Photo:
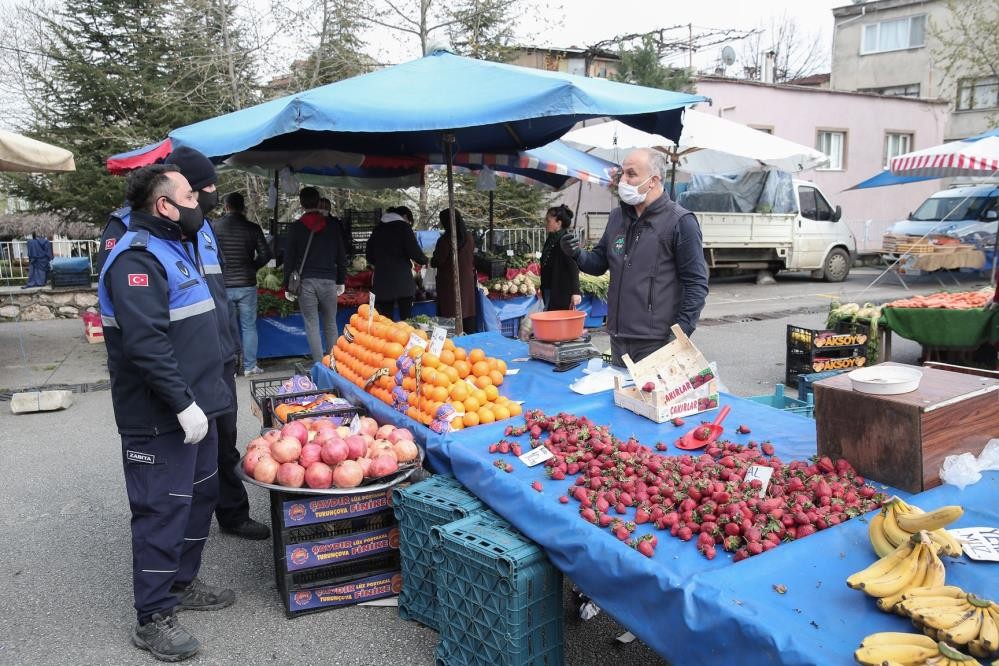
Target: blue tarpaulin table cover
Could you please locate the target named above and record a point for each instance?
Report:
(688, 609)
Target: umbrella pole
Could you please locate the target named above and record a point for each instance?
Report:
(489, 245)
(672, 176)
(274, 218)
(449, 152)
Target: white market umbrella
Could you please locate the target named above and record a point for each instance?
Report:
(708, 145)
(19, 153)
(974, 156)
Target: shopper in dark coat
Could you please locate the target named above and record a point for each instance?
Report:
(443, 262)
(559, 273)
(391, 249)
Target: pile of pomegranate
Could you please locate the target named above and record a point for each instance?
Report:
(319, 453)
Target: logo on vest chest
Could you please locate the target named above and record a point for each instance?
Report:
(619, 244)
(183, 269)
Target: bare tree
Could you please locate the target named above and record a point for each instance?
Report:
(797, 53)
(965, 44)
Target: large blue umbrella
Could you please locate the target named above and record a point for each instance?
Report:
(409, 108)
(441, 103)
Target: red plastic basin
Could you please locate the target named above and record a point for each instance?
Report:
(558, 325)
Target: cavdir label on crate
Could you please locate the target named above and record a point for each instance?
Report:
(341, 548)
(344, 594)
(323, 508)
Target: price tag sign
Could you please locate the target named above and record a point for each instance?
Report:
(437, 340)
(371, 309)
(414, 339)
(979, 543)
(761, 472)
(512, 371)
(355, 425)
(509, 253)
(536, 456)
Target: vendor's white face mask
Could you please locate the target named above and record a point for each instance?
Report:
(629, 193)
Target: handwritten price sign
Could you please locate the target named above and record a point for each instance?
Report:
(979, 543)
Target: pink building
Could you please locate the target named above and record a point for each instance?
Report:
(859, 131)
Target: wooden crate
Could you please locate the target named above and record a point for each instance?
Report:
(902, 440)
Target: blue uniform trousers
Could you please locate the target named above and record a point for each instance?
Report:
(172, 489)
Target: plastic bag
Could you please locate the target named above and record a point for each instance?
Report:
(989, 457)
(960, 470)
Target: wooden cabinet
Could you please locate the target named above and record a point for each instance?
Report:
(902, 440)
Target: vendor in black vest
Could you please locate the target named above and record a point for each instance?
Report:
(653, 249)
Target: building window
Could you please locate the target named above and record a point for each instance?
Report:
(765, 130)
(896, 143)
(833, 144)
(980, 93)
(895, 35)
(909, 90)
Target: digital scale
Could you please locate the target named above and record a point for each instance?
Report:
(564, 355)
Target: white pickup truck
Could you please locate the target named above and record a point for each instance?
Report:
(813, 239)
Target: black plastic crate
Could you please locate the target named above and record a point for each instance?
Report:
(840, 358)
(492, 267)
(260, 392)
(822, 340)
(342, 412)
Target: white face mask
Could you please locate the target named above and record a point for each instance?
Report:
(629, 193)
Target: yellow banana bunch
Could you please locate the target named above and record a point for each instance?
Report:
(913, 564)
(899, 649)
(898, 520)
(959, 619)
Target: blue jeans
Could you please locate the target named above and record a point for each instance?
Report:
(244, 301)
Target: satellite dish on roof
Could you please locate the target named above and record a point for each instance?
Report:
(728, 55)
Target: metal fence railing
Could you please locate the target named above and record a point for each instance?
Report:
(14, 257)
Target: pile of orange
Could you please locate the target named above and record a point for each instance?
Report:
(467, 381)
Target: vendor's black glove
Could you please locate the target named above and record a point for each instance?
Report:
(570, 245)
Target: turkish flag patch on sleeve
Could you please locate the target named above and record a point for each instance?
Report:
(109, 244)
(138, 280)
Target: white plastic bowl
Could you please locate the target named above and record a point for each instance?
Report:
(885, 379)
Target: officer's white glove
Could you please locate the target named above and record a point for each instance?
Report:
(340, 288)
(194, 422)
(290, 297)
(992, 305)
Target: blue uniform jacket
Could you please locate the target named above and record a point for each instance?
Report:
(160, 329)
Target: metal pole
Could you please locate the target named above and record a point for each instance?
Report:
(274, 219)
(672, 181)
(490, 244)
(449, 152)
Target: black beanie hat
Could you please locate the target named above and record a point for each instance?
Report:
(198, 169)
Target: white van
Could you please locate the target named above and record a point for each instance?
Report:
(967, 212)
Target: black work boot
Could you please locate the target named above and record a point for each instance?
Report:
(203, 597)
(165, 638)
(248, 529)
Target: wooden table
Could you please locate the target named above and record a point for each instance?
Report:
(902, 440)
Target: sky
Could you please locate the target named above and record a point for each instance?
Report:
(585, 22)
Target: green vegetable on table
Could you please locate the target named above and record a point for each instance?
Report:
(852, 313)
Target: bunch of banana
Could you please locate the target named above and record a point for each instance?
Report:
(950, 614)
(892, 648)
(898, 520)
(913, 564)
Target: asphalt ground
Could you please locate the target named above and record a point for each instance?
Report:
(65, 566)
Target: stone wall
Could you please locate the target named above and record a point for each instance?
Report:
(37, 305)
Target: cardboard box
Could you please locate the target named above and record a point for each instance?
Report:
(384, 584)
(341, 548)
(684, 383)
(322, 508)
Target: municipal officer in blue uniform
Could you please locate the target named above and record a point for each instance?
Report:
(165, 359)
(233, 508)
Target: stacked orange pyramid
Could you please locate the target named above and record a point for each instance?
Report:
(454, 390)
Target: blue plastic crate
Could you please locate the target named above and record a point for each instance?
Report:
(418, 508)
(805, 382)
(510, 327)
(499, 598)
(778, 400)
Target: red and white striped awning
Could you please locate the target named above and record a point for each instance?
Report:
(975, 156)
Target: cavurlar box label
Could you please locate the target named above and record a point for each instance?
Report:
(341, 548)
(322, 508)
(380, 585)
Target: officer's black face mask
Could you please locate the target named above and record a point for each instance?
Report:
(190, 220)
(207, 201)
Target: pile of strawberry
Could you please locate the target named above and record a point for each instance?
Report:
(692, 495)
